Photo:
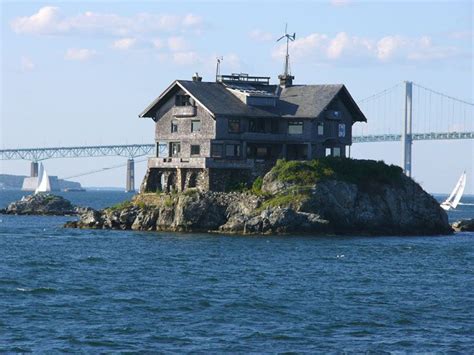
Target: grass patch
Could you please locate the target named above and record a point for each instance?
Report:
(364, 173)
(121, 206)
(291, 198)
(168, 201)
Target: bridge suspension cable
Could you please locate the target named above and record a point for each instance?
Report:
(101, 170)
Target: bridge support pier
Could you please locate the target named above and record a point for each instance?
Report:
(130, 184)
(407, 129)
(34, 169)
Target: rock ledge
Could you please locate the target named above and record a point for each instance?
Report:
(41, 204)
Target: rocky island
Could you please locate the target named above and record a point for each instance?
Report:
(41, 204)
(322, 196)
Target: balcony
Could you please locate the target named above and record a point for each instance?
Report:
(200, 163)
(184, 111)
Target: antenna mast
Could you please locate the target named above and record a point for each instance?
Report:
(218, 66)
(286, 78)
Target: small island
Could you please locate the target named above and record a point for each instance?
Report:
(43, 204)
(326, 196)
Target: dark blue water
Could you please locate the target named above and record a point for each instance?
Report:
(96, 291)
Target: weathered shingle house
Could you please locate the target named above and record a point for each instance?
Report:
(212, 135)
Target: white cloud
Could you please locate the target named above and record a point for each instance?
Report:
(261, 36)
(44, 21)
(49, 20)
(177, 44)
(344, 47)
(79, 54)
(124, 43)
(192, 20)
(387, 46)
(26, 64)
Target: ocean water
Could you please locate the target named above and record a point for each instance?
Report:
(101, 291)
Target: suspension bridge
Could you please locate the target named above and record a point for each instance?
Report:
(405, 112)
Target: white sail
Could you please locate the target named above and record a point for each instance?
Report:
(460, 191)
(453, 200)
(43, 182)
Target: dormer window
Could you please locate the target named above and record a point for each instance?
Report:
(183, 100)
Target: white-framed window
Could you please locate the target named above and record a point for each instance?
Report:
(295, 127)
(327, 152)
(195, 125)
(336, 152)
(342, 130)
(175, 148)
(320, 128)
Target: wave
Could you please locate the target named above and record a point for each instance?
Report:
(38, 290)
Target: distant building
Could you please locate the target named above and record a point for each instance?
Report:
(212, 135)
(30, 183)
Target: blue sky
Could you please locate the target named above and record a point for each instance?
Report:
(77, 73)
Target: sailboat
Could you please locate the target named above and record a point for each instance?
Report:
(453, 200)
(43, 180)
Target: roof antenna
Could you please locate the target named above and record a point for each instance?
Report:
(286, 79)
(218, 66)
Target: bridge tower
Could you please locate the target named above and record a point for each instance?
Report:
(34, 169)
(130, 183)
(407, 138)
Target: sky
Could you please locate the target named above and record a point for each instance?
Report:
(79, 73)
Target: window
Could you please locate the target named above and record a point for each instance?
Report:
(183, 100)
(262, 152)
(232, 150)
(234, 126)
(174, 126)
(162, 150)
(256, 125)
(217, 150)
(336, 152)
(274, 126)
(342, 130)
(195, 149)
(295, 127)
(175, 148)
(195, 126)
(320, 127)
(328, 152)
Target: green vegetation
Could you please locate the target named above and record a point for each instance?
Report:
(121, 206)
(190, 192)
(363, 173)
(168, 201)
(236, 186)
(292, 198)
(257, 186)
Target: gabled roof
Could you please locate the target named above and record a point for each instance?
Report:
(311, 100)
(298, 101)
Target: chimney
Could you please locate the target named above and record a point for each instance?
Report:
(286, 80)
(196, 77)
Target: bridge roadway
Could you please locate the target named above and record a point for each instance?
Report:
(131, 151)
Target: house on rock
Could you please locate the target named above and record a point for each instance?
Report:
(213, 135)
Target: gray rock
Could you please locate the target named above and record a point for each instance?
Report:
(327, 207)
(41, 204)
(465, 225)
